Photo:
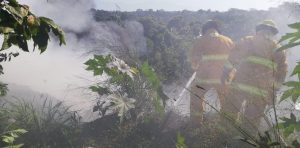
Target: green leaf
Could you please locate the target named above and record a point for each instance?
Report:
(98, 72)
(94, 88)
(293, 92)
(12, 39)
(295, 25)
(90, 62)
(288, 131)
(286, 94)
(180, 141)
(55, 29)
(122, 104)
(41, 38)
(98, 89)
(33, 30)
(19, 131)
(295, 38)
(13, 3)
(15, 13)
(22, 43)
(289, 125)
(292, 84)
(98, 65)
(296, 69)
(27, 33)
(116, 77)
(40, 35)
(6, 44)
(287, 46)
(286, 37)
(151, 76)
(6, 30)
(14, 146)
(102, 60)
(14, 135)
(3, 88)
(10, 136)
(22, 11)
(1, 69)
(292, 37)
(8, 139)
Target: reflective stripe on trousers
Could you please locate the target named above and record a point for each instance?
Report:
(208, 81)
(249, 89)
(214, 57)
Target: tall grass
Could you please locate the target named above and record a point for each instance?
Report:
(264, 140)
(49, 123)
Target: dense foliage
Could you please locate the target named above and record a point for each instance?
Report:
(124, 88)
(18, 25)
(291, 125)
(130, 102)
(170, 34)
(48, 122)
(166, 52)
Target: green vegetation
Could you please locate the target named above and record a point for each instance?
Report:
(130, 102)
(180, 141)
(48, 123)
(18, 25)
(166, 51)
(9, 137)
(124, 86)
(291, 125)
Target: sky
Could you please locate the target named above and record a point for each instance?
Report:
(220, 5)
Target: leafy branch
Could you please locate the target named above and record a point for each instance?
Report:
(9, 137)
(118, 71)
(18, 25)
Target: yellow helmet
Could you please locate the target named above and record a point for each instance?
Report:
(267, 25)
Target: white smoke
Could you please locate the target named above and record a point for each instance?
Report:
(72, 15)
(55, 71)
(283, 18)
(60, 71)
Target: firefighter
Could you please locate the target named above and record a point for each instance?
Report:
(255, 71)
(208, 56)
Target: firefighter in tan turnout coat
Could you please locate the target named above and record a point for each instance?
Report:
(256, 70)
(208, 56)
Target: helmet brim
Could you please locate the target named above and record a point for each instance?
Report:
(273, 29)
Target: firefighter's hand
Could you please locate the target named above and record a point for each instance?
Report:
(231, 75)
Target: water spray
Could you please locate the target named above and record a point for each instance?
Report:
(184, 90)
